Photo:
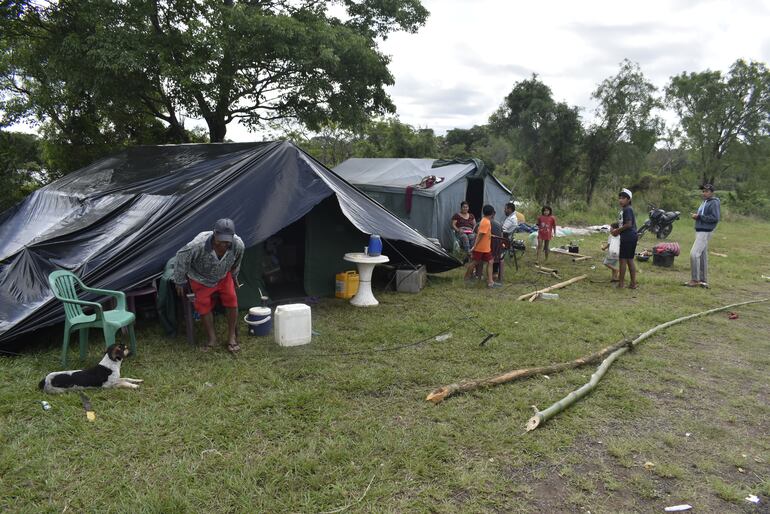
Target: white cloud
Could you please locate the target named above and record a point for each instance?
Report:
(482, 48)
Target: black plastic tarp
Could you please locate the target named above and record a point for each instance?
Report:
(116, 222)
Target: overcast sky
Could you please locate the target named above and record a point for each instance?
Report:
(460, 66)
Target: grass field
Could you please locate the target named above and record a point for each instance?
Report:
(342, 424)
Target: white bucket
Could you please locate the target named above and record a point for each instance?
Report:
(293, 324)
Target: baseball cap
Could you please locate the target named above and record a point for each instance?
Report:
(626, 192)
(224, 230)
(707, 187)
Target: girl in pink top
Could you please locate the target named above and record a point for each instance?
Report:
(546, 230)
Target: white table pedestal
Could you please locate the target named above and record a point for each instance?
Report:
(365, 264)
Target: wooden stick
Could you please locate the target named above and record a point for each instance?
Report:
(442, 393)
(545, 415)
(583, 258)
(555, 286)
(719, 254)
(550, 274)
(565, 252)
(543, 268)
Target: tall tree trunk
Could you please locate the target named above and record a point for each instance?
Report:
(217, 129)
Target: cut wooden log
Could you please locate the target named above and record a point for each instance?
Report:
(442, 393)
(544, 415)
(551, 288)
(562, 251)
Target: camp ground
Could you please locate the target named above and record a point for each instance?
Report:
(117, 222)
(424, 193)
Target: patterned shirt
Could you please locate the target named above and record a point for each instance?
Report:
(198, 261)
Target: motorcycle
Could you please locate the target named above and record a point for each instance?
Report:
(660, 222)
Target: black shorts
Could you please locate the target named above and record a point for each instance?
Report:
(627, 249)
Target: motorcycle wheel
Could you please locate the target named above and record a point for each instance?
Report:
(664, 231)
(641, 231)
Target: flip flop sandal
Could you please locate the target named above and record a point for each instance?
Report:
(233, 348)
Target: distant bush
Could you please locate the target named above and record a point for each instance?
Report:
(747, 202)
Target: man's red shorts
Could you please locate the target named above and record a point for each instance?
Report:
(482, 256)
(225, 288)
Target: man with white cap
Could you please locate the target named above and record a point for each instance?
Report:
(628, 238)
(210, 263)
(706, 220)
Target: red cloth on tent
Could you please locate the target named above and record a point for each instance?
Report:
(408, 199)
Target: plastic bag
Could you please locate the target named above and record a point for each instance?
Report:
(613, 252)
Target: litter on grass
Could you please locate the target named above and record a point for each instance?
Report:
(678, 508)
(753, 498)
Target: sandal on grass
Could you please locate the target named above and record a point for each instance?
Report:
(233, 347)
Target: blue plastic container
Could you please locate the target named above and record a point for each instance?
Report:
(260, 321)
(375, 245)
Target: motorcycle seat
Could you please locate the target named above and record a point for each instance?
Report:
(671, 216)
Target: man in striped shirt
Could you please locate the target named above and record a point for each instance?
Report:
(210, 263)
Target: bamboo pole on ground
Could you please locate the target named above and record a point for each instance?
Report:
(440, 394)
(562, 251)
(544, 415)
(551, 288)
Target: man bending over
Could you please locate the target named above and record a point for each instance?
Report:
(211, 262)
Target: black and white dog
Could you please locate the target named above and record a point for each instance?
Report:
(105, 374)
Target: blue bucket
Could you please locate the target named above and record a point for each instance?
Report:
(375, 245)
(259, 320)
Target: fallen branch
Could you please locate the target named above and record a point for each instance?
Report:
(719, 254)
(547, 270)
(442, 393)
(549, 273)
(544, 415)
(562, 251)
(581, 258)
(555, 286)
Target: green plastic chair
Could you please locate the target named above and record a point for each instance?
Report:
(64, 285)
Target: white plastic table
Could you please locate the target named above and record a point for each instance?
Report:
(365, 264)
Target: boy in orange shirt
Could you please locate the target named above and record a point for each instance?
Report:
(482, 249)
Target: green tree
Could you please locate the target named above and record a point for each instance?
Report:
(21, 167)
(546, 134)
(625, 121)
(392, 138)
(717, 111)
(219, 60)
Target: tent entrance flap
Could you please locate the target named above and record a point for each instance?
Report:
(329, 236)
(474, 195)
